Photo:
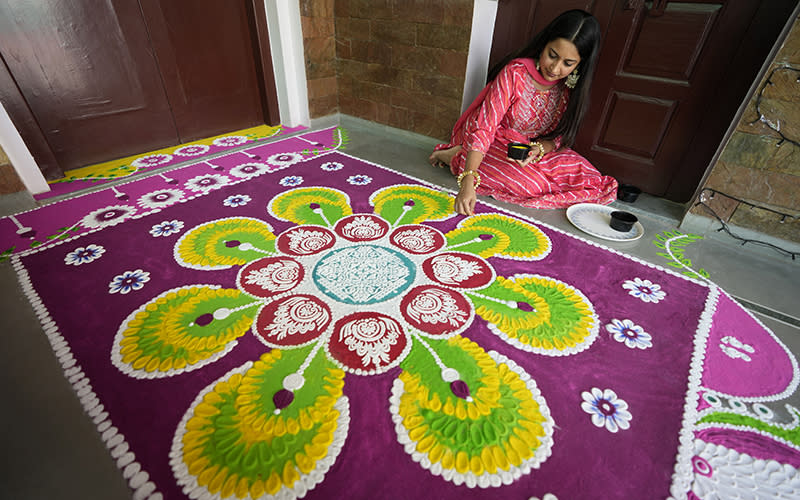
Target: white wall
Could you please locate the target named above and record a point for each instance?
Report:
(19, 155)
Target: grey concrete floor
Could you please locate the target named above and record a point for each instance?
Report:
(51, 449)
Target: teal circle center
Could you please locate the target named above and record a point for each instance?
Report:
(363, 274)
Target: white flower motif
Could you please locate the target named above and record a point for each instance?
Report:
(645, 290)
(167, 228)
(107, 216)
(207, 182)
(84, 255)
(231, 140)
(127, 281)
(151, 160)
(359, 180)
(331, 166)
(629, 333)
(291, 181)
(284, 159)
(237, 200)
(248, 170)
(192, 150)
(161, 198)
(606, 409)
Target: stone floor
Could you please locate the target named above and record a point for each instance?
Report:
(52, 450)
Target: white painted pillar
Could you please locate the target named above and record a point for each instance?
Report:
(480, 45)
(288, 61)
(20, 157)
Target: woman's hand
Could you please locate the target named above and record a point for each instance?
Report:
(547, 146)
(466, 198)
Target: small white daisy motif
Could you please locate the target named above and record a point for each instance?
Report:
(231, 140)
(248, 170)
(645, 290)
(606, 409)
(167, 228)
(151, 160)
(284, 159)
(629, 333)
(331, 166)
(237, 200)
(291, 181)
(359, 180)
(207, 182)
(107, 216)
(128, 281)
(192, 150)
(84, 255)
(161, 198)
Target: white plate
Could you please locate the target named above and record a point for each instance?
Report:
(596, 219)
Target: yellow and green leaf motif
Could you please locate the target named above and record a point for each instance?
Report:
(503, 427)
(224, 243)
(235, 442)
(312, 205)
(511, 238)
(411, 204)
(172, 334)
(569, 323)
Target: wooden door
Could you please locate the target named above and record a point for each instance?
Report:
(662, 66)
(204, 50)
(670, 77)
(103, 80)
(87, 74)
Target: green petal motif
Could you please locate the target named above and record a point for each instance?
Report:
(311, 205)
(501, 430)
(511, 238)
(233, 441)
(224, 243)
(181, 330)
(569, 323)
(411, 204)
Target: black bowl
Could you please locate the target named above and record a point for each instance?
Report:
(628, 193)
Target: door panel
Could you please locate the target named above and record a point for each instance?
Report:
(205, 52)
(87, 75)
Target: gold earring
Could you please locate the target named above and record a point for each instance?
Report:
(572, 79)
(537, 65)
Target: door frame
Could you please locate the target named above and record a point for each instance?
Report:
(33, 159)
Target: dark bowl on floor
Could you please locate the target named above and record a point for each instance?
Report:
(628, 193)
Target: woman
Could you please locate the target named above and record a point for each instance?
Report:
(537, 96)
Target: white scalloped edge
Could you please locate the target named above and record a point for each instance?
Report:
(552, 352)
(750, 430)
(485, 480)
(302, 486)
(768, 478)
(132, 471)
(684, 473)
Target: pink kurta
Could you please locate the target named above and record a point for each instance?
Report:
(511, 109)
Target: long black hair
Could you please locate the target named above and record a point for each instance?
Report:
(583, 30)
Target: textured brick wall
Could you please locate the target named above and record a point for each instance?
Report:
(397, 62)
(752, 166)
(319, 44)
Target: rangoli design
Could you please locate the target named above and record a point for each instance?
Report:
(337, 328)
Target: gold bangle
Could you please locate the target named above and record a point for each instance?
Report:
(541, 151)
(475, 175)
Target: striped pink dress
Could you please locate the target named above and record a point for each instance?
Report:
(512, 110)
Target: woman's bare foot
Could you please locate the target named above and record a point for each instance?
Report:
(443, 157)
